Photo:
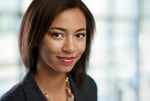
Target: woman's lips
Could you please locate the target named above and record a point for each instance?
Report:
(67, 60)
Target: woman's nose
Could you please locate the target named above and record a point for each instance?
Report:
(69, 45)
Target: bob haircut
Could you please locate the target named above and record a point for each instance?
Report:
(35, 23)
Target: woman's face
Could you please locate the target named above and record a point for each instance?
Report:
(64, 42)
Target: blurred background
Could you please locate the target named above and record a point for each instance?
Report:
(120, 56)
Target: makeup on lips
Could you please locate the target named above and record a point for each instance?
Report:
(67, 60)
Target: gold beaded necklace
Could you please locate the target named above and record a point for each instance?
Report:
(68, 90)
(70, 96)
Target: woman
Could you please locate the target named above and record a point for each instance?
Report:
(55, 38)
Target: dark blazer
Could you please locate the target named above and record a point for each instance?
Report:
(28, 90)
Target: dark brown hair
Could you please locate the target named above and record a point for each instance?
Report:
(35, 23)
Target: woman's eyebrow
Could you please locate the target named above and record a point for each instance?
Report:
(58, 28)
(81, 29)
(65, 30)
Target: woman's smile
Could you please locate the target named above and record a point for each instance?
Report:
(66, 60)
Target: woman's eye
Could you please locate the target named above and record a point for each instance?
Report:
(80, 35)
(57, 35)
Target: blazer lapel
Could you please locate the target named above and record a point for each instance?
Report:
(31, 89)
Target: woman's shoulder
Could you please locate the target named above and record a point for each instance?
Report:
(26, 89)
(90, 89)
(14, 94)
(90, 84)
(17, 92)
(88, 92)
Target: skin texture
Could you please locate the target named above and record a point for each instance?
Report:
(61, 47)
